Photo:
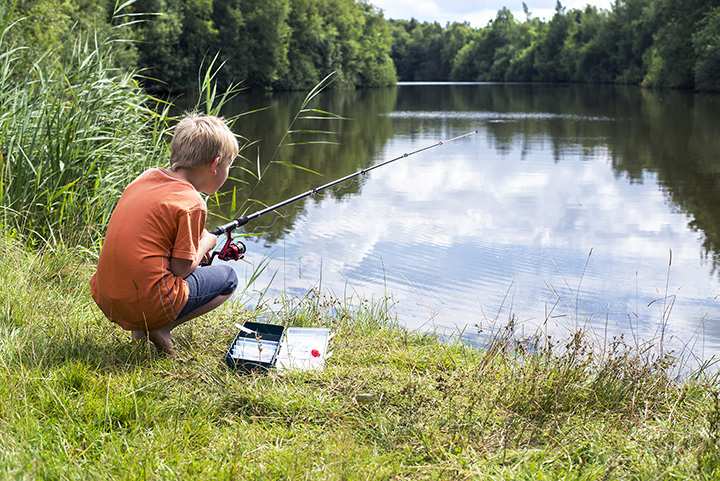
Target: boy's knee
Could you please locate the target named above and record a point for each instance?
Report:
(231, 280)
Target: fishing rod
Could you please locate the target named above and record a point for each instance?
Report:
(234, 250)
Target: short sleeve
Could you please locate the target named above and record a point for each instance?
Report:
(190, 227)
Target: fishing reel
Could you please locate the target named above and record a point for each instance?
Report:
(231, 250)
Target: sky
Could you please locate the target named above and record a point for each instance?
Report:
(477, 12)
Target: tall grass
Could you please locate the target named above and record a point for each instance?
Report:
(72, 134)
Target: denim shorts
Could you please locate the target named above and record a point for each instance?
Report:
(206, 283)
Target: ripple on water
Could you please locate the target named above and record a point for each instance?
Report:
(490, 116)
(501, 223)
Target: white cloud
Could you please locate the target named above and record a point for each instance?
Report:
(478, 13)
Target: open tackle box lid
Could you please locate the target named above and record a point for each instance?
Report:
(304, 348)
(263, 346)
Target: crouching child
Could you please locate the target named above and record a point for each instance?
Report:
(149, 279)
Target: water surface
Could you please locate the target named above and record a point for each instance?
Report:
(562, 212)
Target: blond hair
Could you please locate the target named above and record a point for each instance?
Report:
(198, 139)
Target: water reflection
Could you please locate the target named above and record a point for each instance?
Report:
(357, 142)
(506, 220)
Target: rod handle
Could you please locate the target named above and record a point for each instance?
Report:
(232, 225)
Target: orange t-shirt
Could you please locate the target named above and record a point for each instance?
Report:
(157, 217)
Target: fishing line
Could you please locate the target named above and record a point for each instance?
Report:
(244, 219)
(234, 250)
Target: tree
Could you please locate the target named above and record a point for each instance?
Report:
(401, 38)
(630, 28)
(229, 21)
(160, 58)
(549, 61)
(292, 44)
(706, 45)
(265, 35)
(592, 48)
(673, 57)
(376, 68)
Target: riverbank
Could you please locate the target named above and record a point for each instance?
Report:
(78, 400)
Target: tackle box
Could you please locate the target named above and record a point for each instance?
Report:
(257, 349)
(264, 346)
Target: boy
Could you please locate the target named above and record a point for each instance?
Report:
(148, 280)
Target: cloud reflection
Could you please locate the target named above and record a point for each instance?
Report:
(452, 232)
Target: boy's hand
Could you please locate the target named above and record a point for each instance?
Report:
(207, 243)
(183, 268)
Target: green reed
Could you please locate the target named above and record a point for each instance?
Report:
(72, 135)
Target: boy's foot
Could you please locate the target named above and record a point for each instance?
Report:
(139, 336)
(162, 340)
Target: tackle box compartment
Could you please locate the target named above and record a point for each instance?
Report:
(249, 351)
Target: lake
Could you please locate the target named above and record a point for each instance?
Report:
(574, 206)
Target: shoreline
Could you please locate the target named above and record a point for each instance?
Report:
(175, 95)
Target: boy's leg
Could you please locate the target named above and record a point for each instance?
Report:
(204, 309)
(162, 337)
(209, 287)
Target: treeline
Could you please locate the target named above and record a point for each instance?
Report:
(280, 44)
(283, 44)
(657, 43)
(292, 44)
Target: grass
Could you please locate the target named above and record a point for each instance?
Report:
(78, 400)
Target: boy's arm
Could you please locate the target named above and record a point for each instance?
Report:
(185, 267)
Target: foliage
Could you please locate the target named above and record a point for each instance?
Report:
(671, 56)
(277, 44)
(706, 43)
(280, 44)
(44, 26)
(288, 45)
(349, 38)
(666, 43)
